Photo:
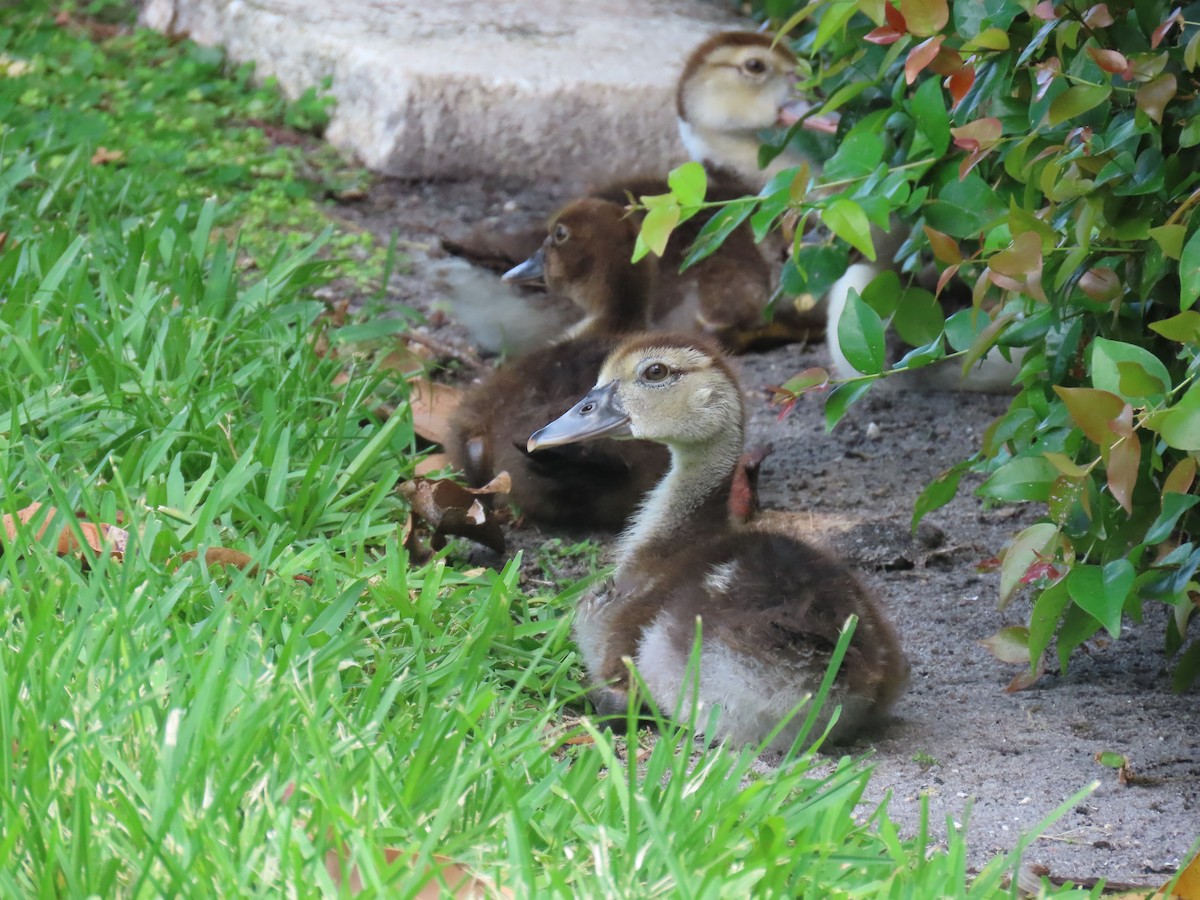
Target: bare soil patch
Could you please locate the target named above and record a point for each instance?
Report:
(995, 760)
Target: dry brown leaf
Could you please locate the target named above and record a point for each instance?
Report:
(432, 406)
(103, 156)
(223, 556)
(458, 881)
(449, 508)
(99, 537)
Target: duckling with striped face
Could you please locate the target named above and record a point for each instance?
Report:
(735, 85)
(770, 607)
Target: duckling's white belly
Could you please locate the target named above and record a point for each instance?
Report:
(749, 698)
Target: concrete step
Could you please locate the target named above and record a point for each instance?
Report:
(537, 90)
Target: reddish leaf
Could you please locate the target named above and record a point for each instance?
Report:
(1111, 61)
(1153, 96)
(1042, 569)
(921, 56)
(1101, 284)
(1098, 16)
(980, 134)
(811, 379)
(1175, 18)
(947, 62)
(944, 279)
(1045, 11)
(1026, 678)
(895, 18)
(1181, 478)
(1092, 410)
(925, 17)
(1019, 267)
(883, 35)
(960, 83)
(945, 248)
(1123, 459)
(743, 493)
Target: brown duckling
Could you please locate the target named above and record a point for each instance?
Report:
(770, 607)
(593, 486)
(732, 87)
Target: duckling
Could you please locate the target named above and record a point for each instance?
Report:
(732, 86)
(770, 607)
(599, 485)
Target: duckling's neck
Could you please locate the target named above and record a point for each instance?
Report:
(692, 500)
(735, 151)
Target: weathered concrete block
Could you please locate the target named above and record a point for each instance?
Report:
(451, 88)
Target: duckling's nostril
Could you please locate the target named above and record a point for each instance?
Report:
(587, 408)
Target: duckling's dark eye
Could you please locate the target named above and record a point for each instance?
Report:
(655, 372)
(561, 234)
(754, 66)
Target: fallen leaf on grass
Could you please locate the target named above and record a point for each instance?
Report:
(223, 556)
(448, 879)
(432, 406)
(99, 537)
(449, 508)
(103, 156)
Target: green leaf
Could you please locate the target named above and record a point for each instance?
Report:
(925, 17)
(1043, 620)
(842, 397)
(1102, 592)
(846, 219)
(1184, 328)
(919, 318)
(837, 14)
(860, 334)
(1189, 272)
(1179, 426)
(1077, 626)
(715, 230)
(813, 269)
(1170, 238)
(964, 208)
(882, 294)
(1174, 506)
(688, 183)
(1024, 478)
(937, 493)
(1107, 358)
(928, 109)
(859, 153)
(1077, 100)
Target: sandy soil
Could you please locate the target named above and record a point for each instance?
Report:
(1000, 761)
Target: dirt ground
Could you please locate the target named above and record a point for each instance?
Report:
(996, 761)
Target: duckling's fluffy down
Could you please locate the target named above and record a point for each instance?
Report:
(771, 610)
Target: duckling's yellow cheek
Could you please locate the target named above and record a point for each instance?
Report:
(702, 398)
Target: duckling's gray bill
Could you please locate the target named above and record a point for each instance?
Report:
(599, 414)
(532, 271)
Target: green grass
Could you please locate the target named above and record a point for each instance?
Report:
(170, 730)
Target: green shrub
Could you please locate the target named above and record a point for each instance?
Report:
(1046, 154)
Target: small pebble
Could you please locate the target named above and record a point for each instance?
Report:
(873, 432)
